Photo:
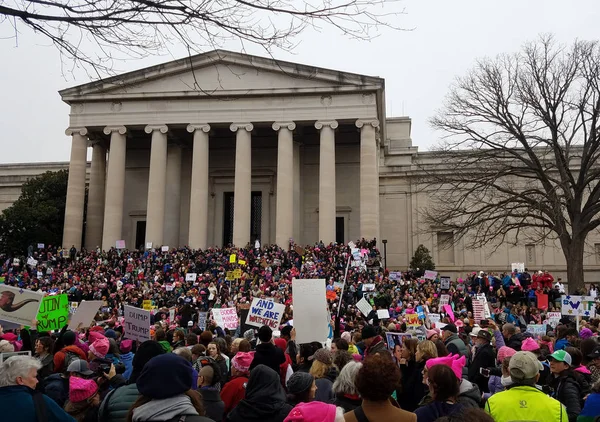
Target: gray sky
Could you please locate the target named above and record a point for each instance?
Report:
(418, 66)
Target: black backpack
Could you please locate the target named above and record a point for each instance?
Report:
(69, 358)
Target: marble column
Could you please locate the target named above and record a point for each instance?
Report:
(298, 213)
(173, 196)
(198, 229)
(96, 193)
(327, 203)
(369, 179)
(115, 187)
(242, 191)
(284, 213)
(73, 227)
(157, 185)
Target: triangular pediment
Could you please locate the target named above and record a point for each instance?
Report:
(221, 73)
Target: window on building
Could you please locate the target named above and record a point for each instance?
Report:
(445, 244)
(530, 254)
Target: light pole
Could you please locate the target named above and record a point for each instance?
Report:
(384, 254)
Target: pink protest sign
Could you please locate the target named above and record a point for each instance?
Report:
(449, 311)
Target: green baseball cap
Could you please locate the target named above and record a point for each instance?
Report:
(561, 356)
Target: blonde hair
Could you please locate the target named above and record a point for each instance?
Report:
(319, 369)
(427, 349)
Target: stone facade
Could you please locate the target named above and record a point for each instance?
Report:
(308, 151)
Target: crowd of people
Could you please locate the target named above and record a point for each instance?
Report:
(401, 365)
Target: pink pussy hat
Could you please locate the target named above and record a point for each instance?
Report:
(81, 389)
(455, 362)
(314, 411)
(529, 345)
(100, 347)
(505, 352)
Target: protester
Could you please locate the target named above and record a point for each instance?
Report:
(127, 357)
(56, 386)
(454, 344)
(344, 387)
(325, 373)
(564, 383)
(235, 389)
(83, 400)
(266, 352)
(315, 411)
(213, 405)
(484, 358)
(444, 387)
(43, 351)
(373, 342)
(591, 408)
(68, 353)
(301, 388)
(411, 370)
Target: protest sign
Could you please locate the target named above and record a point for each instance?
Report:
(120, 244)
(383, 314)
(19, 305)
(486, 308)
(542, 300)
(164, 249)
(395, 275)
(412, 319)
(364, 306)
(311, 314)
(538, 330)
(368, 287)
(232, 258)
(434, 319)
(226, 317)
(578, 306)
(137, 323)
(420, 312)
(147, 305)
(449, 312)
(518, 267)
(338, 285)
(352, 245)
(172, 314)
(169, 287)
(41, 246)
(299, 250)
(444, 300)
(265, 312)
(241, 262)
(445, 283)
(86, 311)
(53, 313)
(190, 277)
(148, 245)
(478, 310)
(430, 275)
(554, 318)
(395, 339)
(202, 316)
(237, 274)
(6, 355)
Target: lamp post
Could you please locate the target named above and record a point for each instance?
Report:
(384, 253)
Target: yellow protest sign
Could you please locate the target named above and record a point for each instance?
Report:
(237, 274)
(241, 262)
(229, 275)
(147, 305)
(232, 258)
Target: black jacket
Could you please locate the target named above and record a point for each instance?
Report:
(268, 354)
(265, 399)
(515, 341)
(568, 392)
(413, 390)
(347, 403)
(213, 405)
(485, 357)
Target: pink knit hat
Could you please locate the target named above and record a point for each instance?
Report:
(529, 345)
(81, 389)
(455, 362)
(95, 335)
(505, 352)
(100, 347)
(430, 333)
(242, 361)
(314, 411)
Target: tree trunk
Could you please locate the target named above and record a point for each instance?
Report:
(574, 256)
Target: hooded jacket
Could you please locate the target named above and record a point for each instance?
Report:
(213, 405)
(568, 391)
(469, 394)
(127, 359)
(166, 410)
(485, 357)
(59, 357)
(268, 354)
(265, 399)
(515, 341)
(413, 390)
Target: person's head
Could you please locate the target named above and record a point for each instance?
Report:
(341, 358)
(448, 331)
(146, 351)
(265, 334)
(408, 349)
(377, 378)
(368, 334)
(504, 352)
(524, 368)
(467, 415)
(99, 349)
(178, 335)
(339, 344)
(322, 362)
(302, 387)
(442, 350)
(345, 383)
(560, 361)
(206, 376)
(594, 356)
(69, 338)
(432, 335)
(206, 337)
(508, 330)
(426, 350)
(160, 335)
(576, 356)
(197, 351)
(587, 347)
(305, 351)
(505, 364)
(223, 346)
(44, 345)
(79, 368)
(240, 364)
(83, 390)
(19, 370)
(286, 332)
(191, 339)
(184, 352)
(235, 346)
(125, 346)
(483, 338)
(213, 349)
(443, 383)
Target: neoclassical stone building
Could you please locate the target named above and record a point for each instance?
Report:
(226, 147)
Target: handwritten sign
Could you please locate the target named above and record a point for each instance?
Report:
(518, 267)
(478, 310)
(554, 318)
(120, 244)
(434, 318)
(538, 330)
(364, 306)
(191, 277)
(86, 311)
(395, 275)
(41, 246)
(226, 317)
(368, 287)
(412, 319)
(232, 258)
(19, 305)
(444, 300)
(430, 275)
(383, 314)
(445, 283)
(311, 315)
(202, 316)
(137, 323)
(164, 249)
(53, 313)
(148, 245)
(147, 305)
(265, 312)
(241, 262)
(578, 306)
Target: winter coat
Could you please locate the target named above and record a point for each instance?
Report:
(265, 399)
(456, 346)
(324, 390)
(18, 399)
(525, 403)
(494, 386)
(413, 390)
(378, 347)
(381, 412)
(562, 344)
(347, 402)
(469, 394)
(515, 341)
(116, 404)
(56, 386)
(233, 392)
(59, 357)
(568, 392)
(268, 354)
(591, 409)
(47, 368)
(436, 409)
(127, 360)
(213, 405)
(485, 357)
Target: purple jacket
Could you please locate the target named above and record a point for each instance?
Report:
(495, 386)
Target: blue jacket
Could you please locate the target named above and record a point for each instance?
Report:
(127, 360)
(561, 344)
(18, 400)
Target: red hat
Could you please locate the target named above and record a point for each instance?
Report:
(10, 337)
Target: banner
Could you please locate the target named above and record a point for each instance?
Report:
(19, 305)
(53, 313)
(311, 314)
(412, 319)
(191, 277)
(364, 306)
(430, 275)
(395, 339)
(445, 283)
(202, 316)
(553, 318)
(538, 330)
(578, 306)
(226, 317)
(265, 312)
(137, 324)
(518, 267)
(120, 244)
(86, 311)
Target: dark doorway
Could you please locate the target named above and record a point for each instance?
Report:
(227, 218)
(339, 230)
(140, 235)
(255, 217)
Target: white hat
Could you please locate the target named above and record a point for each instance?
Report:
(475, 331)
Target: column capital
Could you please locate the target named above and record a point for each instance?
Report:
(204, 127)
(235, 126)
(76, 130)
(122, 130)
(362, 122)
(319, 124)
(151, 128)
(289, 125)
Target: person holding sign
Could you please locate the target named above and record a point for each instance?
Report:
(266, 352)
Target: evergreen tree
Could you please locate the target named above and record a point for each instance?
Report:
(422, 259)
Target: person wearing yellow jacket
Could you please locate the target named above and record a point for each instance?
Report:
(523, 401)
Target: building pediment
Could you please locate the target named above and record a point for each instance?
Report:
(221, 73)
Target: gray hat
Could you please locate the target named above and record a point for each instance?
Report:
(299, 382)
(524, 366)
(80, 366)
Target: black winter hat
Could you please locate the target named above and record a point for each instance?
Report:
(299, 382)
(165, 376)
(265, 334)
(368, 332)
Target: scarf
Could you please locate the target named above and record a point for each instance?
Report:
(376, 340)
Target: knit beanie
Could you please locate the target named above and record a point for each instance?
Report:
(280, 343)
(81, 389)
(100, 347)
(505, 352)
(94, 335)
(68, 338)
(242, 361)
(299, 382)
(529, 345)
(146, 351)
(110, 333)
(125, 346)
(314, 411)
(324, 356)
(585, 333)
(165, 376)
(455, 362)
(347, 336)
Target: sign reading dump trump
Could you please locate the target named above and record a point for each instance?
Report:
(137, 323)
(265, 312)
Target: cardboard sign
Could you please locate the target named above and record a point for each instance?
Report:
(137, 324)
(435, 319)
(41, 246)
(265, 312)
(164, 249)
(383, 314)
(430, 275)
(486, 308)
(311, 314)
(412, 319)
(19, 305)
(538, 330)
(241, 262)
(578, 306)
(232, 258)
(395, 339)
(86, 311)
(148, 245)
(202, 316)
(554, 318)
(368, 287)
(172, 314)
(445, 283)
(395, 276)
(449, 312)
(364, 306)
(518, 267)
(226, 317)
(444, 300)
(120, 244)
(147, 305)
(53, 313)
(191, 277)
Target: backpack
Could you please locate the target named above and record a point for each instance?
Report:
(69, 358)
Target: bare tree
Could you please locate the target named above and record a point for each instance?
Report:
(521, 151)
(96, 33)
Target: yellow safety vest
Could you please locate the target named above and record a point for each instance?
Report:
(524, 403)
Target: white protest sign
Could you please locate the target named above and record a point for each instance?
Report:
(265, 312)
(364, 306)
(202, 320)
(148, 245)
(518, 267)
(40, 246)
(538, 330)
(395, 275)
(383, 314)
(478, 310)
(172, 314)
(578, 306)
(434, 319)
(85, 313)
(226, 317)
(554, 318)
(190, 277)
(486, 308)
(445, 283)
(368, 287)
(137, 323)
(19, 305)
(444, 300)
(352, 245)
(165, 249)
(120, 244)
(430, 275)
(311, 314)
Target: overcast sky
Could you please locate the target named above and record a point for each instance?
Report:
(418, 65)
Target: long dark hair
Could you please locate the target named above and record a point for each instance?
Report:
(195, 397)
